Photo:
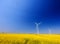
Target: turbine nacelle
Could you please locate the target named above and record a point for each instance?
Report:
(37, 23)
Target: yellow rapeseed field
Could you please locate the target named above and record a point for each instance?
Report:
(29, 39)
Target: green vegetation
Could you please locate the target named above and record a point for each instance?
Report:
(27, 41)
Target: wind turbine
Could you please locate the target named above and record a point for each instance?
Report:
(49, 31)
(37, 27)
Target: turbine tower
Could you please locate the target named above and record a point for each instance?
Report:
(49, 31)
(37, 27)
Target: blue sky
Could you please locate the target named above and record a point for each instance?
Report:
(19, 16)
